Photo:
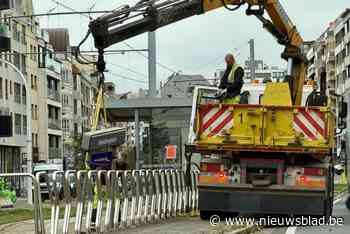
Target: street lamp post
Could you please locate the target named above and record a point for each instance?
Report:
(29, 130)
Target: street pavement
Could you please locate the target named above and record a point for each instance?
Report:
(179, 225)
(194, 225)
(339, 210)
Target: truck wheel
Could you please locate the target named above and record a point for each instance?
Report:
(328, 209)
(329, 199)
(347, 202)
(205, 214)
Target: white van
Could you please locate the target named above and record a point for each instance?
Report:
(49, 169)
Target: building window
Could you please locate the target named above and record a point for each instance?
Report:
(24, 125)
(35, 53)
(35, 112)
(1, 95)
(51, 141)
(75, 129)
(75, 83)
(6, 90)
(41, 56)
(18, 124)
(16, 34)
(33, 82)
(31, 52)
(75, 106)
(16, 60)
(24, 95)
(17, 91)
(50, 114)
(24, 41)
(36, 82)
(24, 64)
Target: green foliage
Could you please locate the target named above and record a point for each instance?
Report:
(5, 191)
(77, 154)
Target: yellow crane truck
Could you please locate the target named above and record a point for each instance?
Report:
(271, 157)
(267, 157)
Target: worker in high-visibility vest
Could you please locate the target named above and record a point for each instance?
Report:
(232, 81)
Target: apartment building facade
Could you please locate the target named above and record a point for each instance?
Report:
(330, 53)
(342, 54)
(62, 92)
(50, 105)
(78, 91)
(13, 101)
(321, 57)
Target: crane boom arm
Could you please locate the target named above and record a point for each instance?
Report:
(127, 22)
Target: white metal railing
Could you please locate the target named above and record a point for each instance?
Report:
(38, 209)
(110, 200)
(54, 95)
(54, 123)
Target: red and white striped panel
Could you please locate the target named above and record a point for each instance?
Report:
(311, 124)
(215, 120)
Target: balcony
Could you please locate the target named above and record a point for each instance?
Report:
(330, 57)
(67, 83)
(55, 153)
(17, 98)
(67, 108)
(54, 95)
(54, 124)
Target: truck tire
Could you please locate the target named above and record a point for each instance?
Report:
(330, 195)
(347, 202)
(205, 214)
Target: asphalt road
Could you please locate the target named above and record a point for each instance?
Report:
(339, 210)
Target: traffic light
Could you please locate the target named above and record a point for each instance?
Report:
(5, 126)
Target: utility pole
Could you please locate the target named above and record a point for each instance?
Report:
(252, 59)
(152, 65)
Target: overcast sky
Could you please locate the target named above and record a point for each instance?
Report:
(196, 45)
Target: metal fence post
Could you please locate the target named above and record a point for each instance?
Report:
(81, 184)
(38, 212)
(67, 199)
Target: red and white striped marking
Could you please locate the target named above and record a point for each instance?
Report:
(311, 124)
(215, 120)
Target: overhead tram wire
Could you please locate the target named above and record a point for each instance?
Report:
(213, 61)
(145, 56)
(92, 52)
(128, 69)
(55, 14)
(126, 78)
